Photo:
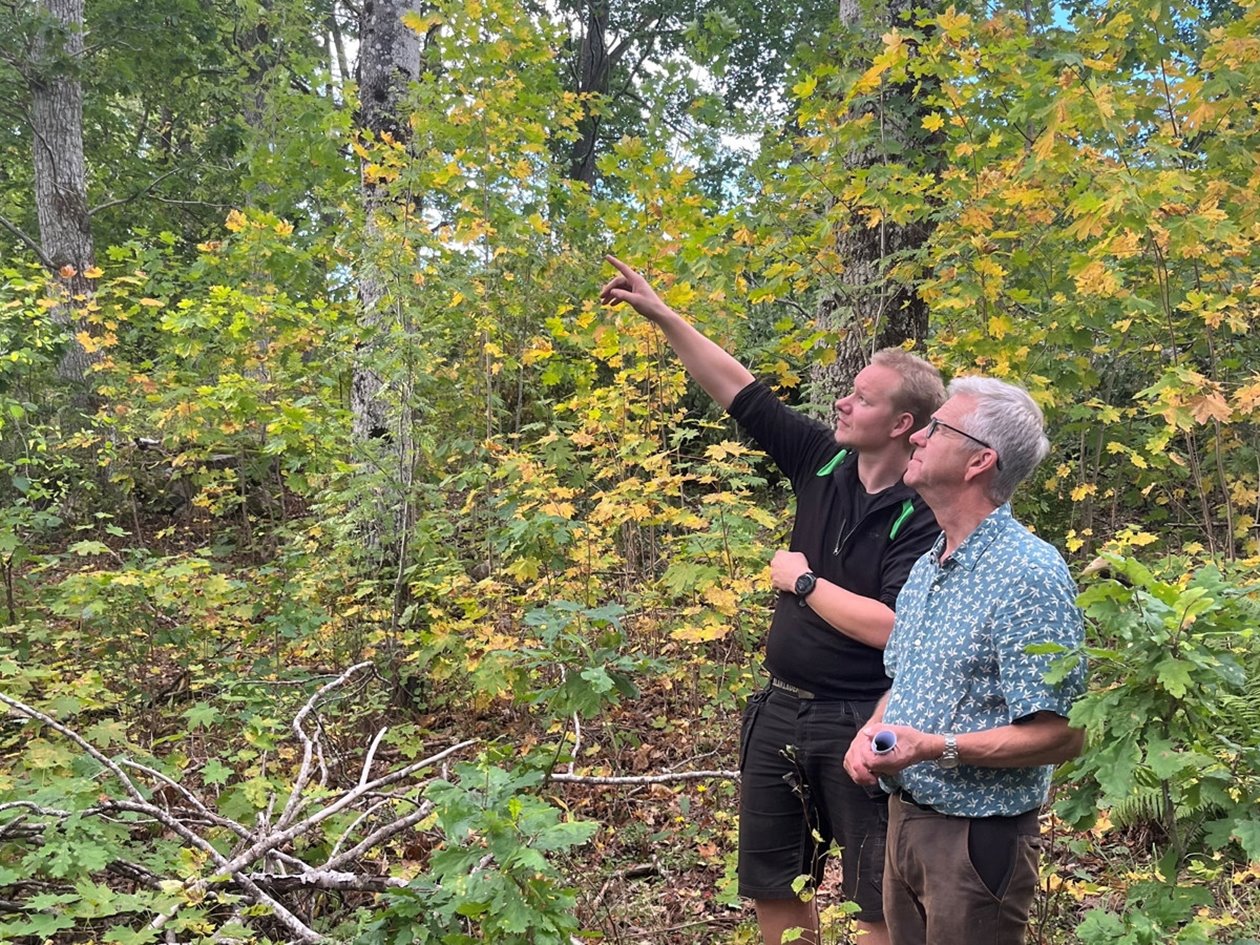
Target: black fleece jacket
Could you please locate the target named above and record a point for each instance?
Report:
(871, 557)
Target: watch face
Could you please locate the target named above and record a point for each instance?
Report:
(805, 584)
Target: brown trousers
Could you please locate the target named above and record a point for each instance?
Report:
(958, 880)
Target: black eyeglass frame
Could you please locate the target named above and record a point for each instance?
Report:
(933, 423)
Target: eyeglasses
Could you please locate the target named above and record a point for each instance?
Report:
(933, 423)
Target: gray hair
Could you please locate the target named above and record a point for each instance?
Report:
(1008, 419)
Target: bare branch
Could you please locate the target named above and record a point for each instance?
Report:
(31, 244)
(139, 193)
(669, 778)
(308, 743)
(367, 762)
(78, 739)
(377, 837)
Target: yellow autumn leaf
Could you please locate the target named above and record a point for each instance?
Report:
(94, 272)
(933, 122)
(235, 221)
(953, 24)
(539, 350)
(722, 599)
(1247, 398)
(1044, 145)
(703, 634)
(419, 23)
(805, 88)
(999, 325)
(1083, 490)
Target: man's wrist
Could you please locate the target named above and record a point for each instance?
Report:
(948, 756)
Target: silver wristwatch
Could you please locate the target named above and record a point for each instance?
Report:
(949, 757)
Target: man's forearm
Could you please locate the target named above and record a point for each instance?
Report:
(864, 619)
(712, 367)
(1043, 739)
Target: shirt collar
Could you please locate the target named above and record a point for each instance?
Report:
(968, 554)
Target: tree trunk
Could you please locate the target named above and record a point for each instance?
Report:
(594, 70)
(390, 59)
(65, 231)
(868, 308)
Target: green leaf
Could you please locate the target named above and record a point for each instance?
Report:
(1164, 759)
(86, 549)
(1174, 675)
(202, 715)
(125, 935)
(215, 772)
(1247, 832)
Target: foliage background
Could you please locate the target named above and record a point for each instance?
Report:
(561, 547)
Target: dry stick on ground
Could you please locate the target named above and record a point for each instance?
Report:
(267, 841)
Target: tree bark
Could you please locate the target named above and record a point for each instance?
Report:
(867, 308)
(390, 56)
(390, 60)
(594, 71)
(65, 231)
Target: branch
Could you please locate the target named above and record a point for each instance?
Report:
(644, 778)
(33, 246)
(326, 879)
(143, 190)
(308, 743)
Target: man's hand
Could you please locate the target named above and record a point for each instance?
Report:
(631, 287)
(865, 766)
(860, 756)
(785, 568)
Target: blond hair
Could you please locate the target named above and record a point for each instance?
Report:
(921, 391)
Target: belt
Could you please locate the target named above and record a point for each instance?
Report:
(904, 795)
(791, 690)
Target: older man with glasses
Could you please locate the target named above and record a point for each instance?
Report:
(977, 727)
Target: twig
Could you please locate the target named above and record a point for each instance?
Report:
(379, 836)
(308, 743)
(644, 778)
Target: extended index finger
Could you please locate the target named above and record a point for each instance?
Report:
(620, 266)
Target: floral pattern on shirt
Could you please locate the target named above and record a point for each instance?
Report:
(959, 661)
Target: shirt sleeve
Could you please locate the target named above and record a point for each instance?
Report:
(1041, 609)
(799, 445)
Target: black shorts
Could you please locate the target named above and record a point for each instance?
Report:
(787, 795)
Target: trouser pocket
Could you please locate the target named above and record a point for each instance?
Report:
(999, 846)
(755, 702)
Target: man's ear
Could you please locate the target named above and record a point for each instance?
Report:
(904, 426)
(980, 463)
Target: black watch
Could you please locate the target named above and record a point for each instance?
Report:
(805, 585)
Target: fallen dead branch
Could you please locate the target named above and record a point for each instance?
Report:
(266, 864)
(263, 867)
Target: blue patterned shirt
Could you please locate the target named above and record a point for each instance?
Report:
(959, 664)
